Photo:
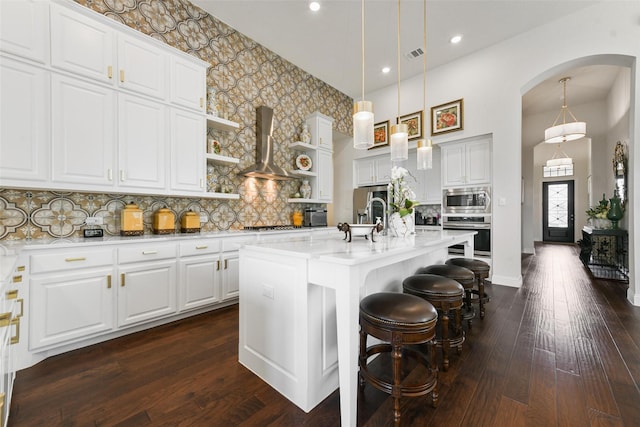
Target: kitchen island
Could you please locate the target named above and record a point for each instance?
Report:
(299, 305)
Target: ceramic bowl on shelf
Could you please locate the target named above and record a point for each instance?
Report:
(303, 162)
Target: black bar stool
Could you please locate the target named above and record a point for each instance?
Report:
(462, 275)
(446, 296)
(481, 271)
(399, 320)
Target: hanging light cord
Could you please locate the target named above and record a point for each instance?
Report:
(424, 67)
(362, 40)
(398, 121)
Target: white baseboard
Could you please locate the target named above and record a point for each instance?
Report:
(634, 299)
(531, 251)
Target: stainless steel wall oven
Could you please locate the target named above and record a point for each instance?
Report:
(479, 223)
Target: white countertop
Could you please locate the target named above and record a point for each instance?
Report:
(334, 249)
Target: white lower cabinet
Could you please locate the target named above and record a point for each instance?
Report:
(199, 273)
(70, 305)
(230, 276)
(147, 282)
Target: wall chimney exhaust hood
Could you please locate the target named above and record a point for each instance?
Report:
(264, 166)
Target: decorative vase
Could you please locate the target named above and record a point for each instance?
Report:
(212, 107)
(305, 189)
(615, 211)
(305, 135)
(401, 226)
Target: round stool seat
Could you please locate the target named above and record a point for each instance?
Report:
(398, 310)
(446, 296)
(432, 285)
(404, 324)
(475, 265)
(462, 275)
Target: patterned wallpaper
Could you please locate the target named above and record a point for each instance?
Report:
(246, 75)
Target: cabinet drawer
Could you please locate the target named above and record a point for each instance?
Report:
(234, 243)
(199, 247)
(150, 252)
(71, 259)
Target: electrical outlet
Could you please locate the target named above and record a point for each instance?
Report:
(204, 218)
(94, 220)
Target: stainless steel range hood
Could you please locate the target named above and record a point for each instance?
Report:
(264, 167)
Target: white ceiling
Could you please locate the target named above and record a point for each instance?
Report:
(327, 45)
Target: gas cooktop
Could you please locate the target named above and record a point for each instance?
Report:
(271, 227)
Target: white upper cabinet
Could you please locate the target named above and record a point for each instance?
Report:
(188, 133)
(141, 143)
(24, 133)
(82, 46)
(372, 170)
(141, 67)
(24, 29)
(427, 182)
(321, 128)
(466, 163)
(325, 176)
(83, 133)
(188, 84)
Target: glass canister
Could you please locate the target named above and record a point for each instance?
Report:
(297, 218)
(131, 223)
(164, 221)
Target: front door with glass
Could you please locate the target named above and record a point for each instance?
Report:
(557, 212)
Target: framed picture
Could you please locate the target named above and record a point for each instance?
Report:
(414, 123)
(447, 117)
(380, 134)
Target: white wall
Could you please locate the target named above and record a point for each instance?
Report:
(492, 82)
(341, 210)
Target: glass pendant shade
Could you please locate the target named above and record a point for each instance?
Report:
(424, 154)
(399, 142)
(362, 125)
(565, 132)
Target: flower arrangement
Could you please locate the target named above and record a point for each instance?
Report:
(600, 211)
(402, 198)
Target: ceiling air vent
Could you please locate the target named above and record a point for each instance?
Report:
(416, 53)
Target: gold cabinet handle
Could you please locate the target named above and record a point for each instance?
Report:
(122, 175)
(17, 279)
(149, 252)
(218, 266)
(108, 281)
(122, 76)
(110, 174)
(226, 264)
(75, 259)
(16, 338)
(21, 301)
(122, 280)
(13, 294)
(5, 318)
(110, 71)
(20, 268)
(202, 247)
(201, 102)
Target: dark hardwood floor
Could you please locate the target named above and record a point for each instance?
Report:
(563, 350)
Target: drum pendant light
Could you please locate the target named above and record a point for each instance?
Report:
(362, 111)
(399, 139)
(565, 131)
(424, 149)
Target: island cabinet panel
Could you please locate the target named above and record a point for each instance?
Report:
(288, 328)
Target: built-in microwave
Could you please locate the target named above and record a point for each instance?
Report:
(466, 200)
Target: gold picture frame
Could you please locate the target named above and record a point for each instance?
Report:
(414, 124)
(447, 117)
(380, 134)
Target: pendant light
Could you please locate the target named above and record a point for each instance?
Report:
(424, 149)
(362, 111)
(565, 131)
(399, 139)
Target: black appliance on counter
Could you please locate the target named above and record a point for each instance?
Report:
(314, 218)
(479, 223)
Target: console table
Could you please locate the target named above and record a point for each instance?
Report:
(605, 253)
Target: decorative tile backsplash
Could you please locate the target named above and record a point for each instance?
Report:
(246, 75)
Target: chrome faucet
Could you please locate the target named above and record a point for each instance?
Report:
(384, 211)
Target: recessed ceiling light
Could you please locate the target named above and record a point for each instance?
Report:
(314, 6)
(386, 70)
(456, 39)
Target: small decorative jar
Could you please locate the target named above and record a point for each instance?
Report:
(297, 219)
(305, 189)
(190, 222)
(305, 135)
(164, 221)
(131, 223)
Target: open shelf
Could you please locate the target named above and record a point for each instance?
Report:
(220, 123)
(227, 196)
(302, 173)
(217, 159)
(299, 200)
(301, 146)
